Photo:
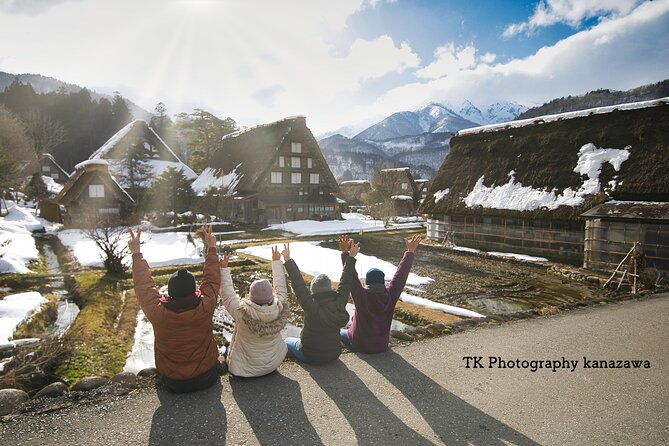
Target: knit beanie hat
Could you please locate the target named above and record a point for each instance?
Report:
(375, 276)
(181, 284)
(320, 284)
(261, 292)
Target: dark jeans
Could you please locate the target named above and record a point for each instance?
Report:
(207, 379)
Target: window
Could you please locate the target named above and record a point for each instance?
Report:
(96, 191)
(295, 162)
(310, 163)
(314, 178)
(54, 176)
(282, 161)
(46, 169)
(296, 147)
(276, 178)
(300, 210)
(405, 186)
(108, 210)
(296, 178)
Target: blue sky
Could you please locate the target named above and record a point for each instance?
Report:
(345, 62)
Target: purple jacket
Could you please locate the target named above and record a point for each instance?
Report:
(370, 327)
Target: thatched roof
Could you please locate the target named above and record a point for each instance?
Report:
(84, 175)
(630, 210)
(34, 165)
(551, 157)
(245, 157)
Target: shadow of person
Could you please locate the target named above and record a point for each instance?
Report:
(454, 420)
(273, 406)
(189, 418)
(370, 419)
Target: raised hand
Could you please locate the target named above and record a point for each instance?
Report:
(413, 242)
(276, 255)
(355, 249)
(209, 237)
(223, 261)
(344, 243)
(133, 243)
(286, 252)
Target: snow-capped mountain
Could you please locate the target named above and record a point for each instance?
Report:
(417, 139)
(433, 118)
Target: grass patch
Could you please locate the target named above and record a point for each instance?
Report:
(38, 324)
(410, 318)
(101, 348)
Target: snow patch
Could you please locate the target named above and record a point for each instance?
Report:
(415, 300)
(440, 194)
(16, 308)
(142, 355)
(212, 178)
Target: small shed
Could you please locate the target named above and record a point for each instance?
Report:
(612, 228)
(92, 190)
(403, 205)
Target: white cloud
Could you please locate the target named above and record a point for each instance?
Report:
(449, 60)
(618, 53)
(570, 12)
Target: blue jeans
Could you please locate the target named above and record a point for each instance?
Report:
(343, 334)
(295, 348)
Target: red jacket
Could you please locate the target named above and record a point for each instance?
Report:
(184, 343)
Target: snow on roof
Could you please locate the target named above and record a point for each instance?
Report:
(440, 194)
(354, 182)
(401, 197)
(91, 162)
(397, 169)
(51, 185)
(111, 142)
(248, 129)
(515, 196)
(186, 170)
(211, 178)
(562, 116)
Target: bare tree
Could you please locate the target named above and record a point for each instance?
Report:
(44, 131)
(14, 147)
(110, 240)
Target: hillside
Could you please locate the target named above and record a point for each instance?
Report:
(599, 98)
(46, 84)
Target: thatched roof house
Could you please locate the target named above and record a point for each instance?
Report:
(139, 145)
(523, 185)
(93, 190)
(47, 165)
(400, 185)
(354, 192)
(271, 173)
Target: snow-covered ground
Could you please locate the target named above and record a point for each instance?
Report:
(506, 255)
(17, 245)
(352, 222)
(15, 309)
(141, 356)
(166, 248)
(314, 259)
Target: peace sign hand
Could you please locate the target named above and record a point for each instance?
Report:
(134, 243)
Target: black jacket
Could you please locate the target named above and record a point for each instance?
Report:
(324, 313)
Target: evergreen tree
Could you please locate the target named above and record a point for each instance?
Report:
(121, 114)
(160, 121)
(36, 189)
(172, 191)
(136, 171)
(204, 131)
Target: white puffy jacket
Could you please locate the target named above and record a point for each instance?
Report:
(257, 347)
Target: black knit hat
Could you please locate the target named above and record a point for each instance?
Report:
(181, 284)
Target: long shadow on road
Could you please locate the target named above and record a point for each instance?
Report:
(273, 406)
(371, 420)
(189, 418)
(455, 421)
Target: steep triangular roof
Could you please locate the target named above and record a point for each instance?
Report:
(558, 165)
(246, 156)
(82, 176)
(160, 155)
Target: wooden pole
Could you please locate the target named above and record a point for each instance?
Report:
(635, 257)
(618, 267)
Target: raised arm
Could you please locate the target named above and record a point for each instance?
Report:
(403, 268)
(229, 296)
(348, 275)
(211, 280)
(145, 288)
(278, 276)
(345, 244)
(297, 281)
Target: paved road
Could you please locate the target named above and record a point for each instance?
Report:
(420, 394)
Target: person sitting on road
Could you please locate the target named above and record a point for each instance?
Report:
(256, 347)
(324, 311)
(369, 331)
(186, 353)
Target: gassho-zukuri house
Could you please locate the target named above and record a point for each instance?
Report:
(580, 187)
(107, 184)
(271, 173)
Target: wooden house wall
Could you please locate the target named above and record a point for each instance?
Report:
(287, 201)
(83, 204)
(561, 240)
(608, 241)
